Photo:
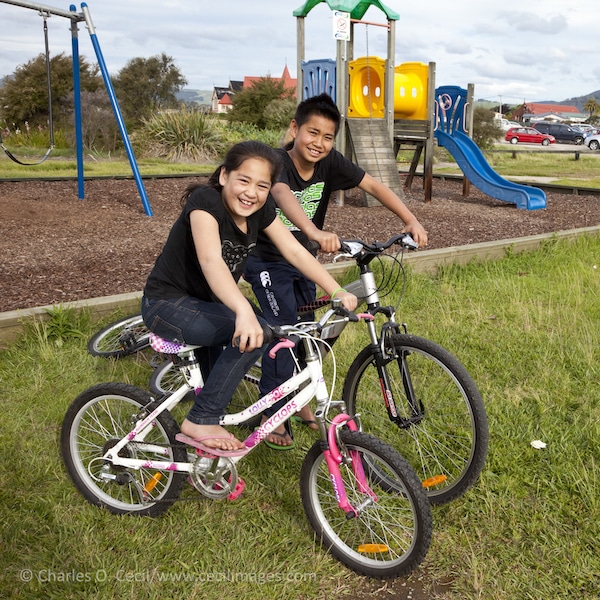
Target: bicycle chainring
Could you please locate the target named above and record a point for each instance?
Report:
(214, 477)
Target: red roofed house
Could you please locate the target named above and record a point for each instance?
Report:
(534, 111)
(221, 98)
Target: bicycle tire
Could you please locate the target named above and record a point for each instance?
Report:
(166, 378)
(99, 417)
(120, 338)
(447, 446)
(388, 537)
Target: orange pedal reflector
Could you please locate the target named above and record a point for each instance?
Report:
(435, 480)
(151, 483)
(372, 548)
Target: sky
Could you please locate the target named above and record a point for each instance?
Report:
(512, 51)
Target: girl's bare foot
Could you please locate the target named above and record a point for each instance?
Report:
(212, 436)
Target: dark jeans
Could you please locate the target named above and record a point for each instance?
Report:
(192, 321)
(280, 289)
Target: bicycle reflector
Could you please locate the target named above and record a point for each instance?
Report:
(433, 481)
(373, 548)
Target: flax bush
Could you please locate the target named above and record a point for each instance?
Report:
(182, 135)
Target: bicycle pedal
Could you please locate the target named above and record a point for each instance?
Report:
(239, 488)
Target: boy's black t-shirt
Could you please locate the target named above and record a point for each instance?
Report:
(177, 271)
(334, 172)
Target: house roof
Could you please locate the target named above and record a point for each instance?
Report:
(288, 81)
(536, 108)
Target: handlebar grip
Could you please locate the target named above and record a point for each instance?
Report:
(269, 334)
(313, 246)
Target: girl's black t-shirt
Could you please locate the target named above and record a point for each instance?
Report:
(177, 271)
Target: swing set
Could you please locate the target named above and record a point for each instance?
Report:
(75, 18)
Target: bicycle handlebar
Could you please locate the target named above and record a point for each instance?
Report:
(404, 239)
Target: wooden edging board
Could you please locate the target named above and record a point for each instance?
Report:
(11, 322)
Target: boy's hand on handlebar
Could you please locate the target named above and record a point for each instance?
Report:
(418, 232)
(349, 301)
(328, 241)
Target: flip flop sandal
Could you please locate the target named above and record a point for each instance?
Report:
(285, 435)
(307, 422)
(208, 449)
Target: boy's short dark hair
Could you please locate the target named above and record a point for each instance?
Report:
(322, 105)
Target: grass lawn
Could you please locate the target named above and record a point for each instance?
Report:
(526, 327)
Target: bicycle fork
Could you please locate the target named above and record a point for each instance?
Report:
(383, 356)
(334, 458)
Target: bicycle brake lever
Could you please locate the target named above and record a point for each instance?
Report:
(339, 310)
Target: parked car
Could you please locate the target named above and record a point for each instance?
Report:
(593, 141)
(561, 132)
(587, 129)
(505, 124)
(528, 135)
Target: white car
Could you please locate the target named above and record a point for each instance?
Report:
(505, 124)
(593, 141)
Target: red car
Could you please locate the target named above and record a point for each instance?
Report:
(528, 135)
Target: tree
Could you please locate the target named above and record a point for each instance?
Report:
(145, 85)
(24, 94)
(485, 131)
(251, 105)
(593, 107)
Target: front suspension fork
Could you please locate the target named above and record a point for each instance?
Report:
(335, 458)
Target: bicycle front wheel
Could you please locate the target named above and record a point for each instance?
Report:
(445, 436)
(99, 418)
(121, 338)
(391, 532)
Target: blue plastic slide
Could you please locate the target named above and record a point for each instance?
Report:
(474, 165)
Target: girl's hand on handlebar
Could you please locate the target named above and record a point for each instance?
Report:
(349, 301)
(328, 241)
(248, 334)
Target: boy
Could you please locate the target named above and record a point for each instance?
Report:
(312, 170)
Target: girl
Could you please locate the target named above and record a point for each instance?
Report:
(192, 296)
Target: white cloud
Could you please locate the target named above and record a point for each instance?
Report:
(540, 53)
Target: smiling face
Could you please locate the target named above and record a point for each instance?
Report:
(245, 189)
(313, 140)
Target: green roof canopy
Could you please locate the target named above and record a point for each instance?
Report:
(356, 8)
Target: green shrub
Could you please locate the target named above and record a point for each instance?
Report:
(182, 135)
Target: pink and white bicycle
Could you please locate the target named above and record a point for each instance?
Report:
(124, 451)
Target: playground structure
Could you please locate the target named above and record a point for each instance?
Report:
(451, 110)
(384, 107)
(75, 18)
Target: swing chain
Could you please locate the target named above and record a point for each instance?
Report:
(45, 16)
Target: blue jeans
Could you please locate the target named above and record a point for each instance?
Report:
(188, 320)
(280, 290)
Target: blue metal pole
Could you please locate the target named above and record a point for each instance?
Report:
(116, 110)
(77, 105)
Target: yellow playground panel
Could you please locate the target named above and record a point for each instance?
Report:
(366, 89)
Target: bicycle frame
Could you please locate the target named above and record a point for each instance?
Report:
(365, 289)
(311, 377)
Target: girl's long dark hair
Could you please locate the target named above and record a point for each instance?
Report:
(233, 160)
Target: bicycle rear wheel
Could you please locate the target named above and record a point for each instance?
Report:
(121, 338)
(391, 532)
(447, 437)
(96, 420)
